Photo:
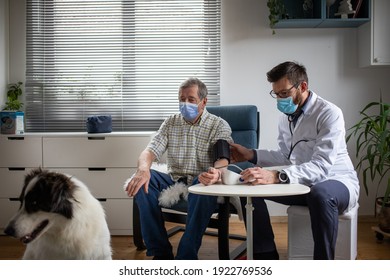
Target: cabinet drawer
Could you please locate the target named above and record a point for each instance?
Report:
(20, 151)
(11, 182)
(8, 209)
(93, 151)
(102, 182)
(119, 215)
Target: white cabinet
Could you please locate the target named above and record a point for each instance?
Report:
(20, 151)
(374, 36)
(92, 151)
(102, 161)
(18, 156)
(11, 184)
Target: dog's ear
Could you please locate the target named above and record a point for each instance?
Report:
(62, 205)
(62, 194)
(33, 173)
(27, 179)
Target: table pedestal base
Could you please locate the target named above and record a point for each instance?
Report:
(249, 227)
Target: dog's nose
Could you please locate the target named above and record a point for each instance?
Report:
(10, 230)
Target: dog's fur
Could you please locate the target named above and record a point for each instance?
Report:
(59, 219)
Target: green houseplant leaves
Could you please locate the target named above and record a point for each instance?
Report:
(372, 134)
(14, 91)
(276, 11)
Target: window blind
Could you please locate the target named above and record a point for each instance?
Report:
(120, 58)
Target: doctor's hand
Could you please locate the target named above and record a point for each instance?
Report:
(259, 176)
(140, 178)
(210, 177)
(239, 153)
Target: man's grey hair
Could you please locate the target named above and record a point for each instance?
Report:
(202, 89)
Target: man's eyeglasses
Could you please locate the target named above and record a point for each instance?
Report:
(285, 93)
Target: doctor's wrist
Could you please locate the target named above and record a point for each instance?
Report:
(254, 157)
(282, 177)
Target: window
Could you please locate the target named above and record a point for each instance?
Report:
(121, 58)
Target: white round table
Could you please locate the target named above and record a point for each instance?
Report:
(250, 191)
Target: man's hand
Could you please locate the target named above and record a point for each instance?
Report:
(140, 178)
(223, 162)
(239, 153)
(259, 176)
(210, 177)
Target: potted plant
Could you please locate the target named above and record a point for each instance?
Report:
(14, 91)
(12, 118)
(372, 134)
(277, 10)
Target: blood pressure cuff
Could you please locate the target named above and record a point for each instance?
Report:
(221, 150)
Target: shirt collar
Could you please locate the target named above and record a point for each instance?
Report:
(295, 116)
(307, 101)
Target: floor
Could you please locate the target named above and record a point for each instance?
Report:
(123, 249)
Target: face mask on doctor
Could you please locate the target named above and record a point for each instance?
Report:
(286, 105)
(188, 110)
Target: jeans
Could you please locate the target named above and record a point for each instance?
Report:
(200, 209)
(326, 201)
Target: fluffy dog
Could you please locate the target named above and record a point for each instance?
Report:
(59, 219)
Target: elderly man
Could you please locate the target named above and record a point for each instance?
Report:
(189, 138)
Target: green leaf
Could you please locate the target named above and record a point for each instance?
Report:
(13, 93)
(372, 136)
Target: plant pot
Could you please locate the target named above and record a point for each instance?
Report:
(382, 212)
(12, 122)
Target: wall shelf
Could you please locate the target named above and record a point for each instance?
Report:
(318, 18)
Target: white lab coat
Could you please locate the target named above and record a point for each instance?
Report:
(322, 156)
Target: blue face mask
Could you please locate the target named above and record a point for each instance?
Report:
(189, 111)
(286, 105)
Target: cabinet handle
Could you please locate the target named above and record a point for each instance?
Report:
(97, 169)
(14, 199)
(96, 138)
(16, 168)
(15, 138)
(102, 199)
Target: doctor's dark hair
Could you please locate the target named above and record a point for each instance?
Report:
(294, 72)
(202, 89)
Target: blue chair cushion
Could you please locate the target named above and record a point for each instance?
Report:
(239, 117)
(244, 122)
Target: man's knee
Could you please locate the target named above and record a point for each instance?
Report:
(318, 193)
(329, 193)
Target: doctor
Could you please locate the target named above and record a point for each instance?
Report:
(311, 143)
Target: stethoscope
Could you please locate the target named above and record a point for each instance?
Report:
(292, 119)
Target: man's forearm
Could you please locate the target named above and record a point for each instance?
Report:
(145, 160)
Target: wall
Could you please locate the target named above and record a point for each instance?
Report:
(17, 41)
(3, 51)
(249, 50)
